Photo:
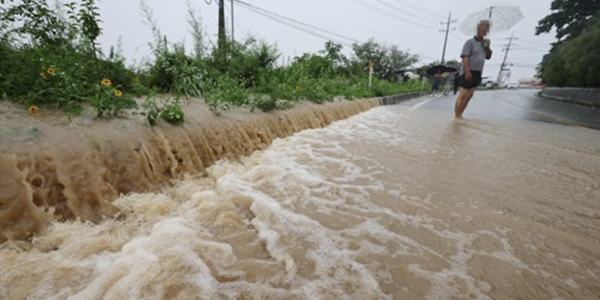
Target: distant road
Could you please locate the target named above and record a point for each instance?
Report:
(519, 104)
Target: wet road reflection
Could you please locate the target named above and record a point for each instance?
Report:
(399, 202)
(520, 105)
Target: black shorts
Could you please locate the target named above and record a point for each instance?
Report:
(475, 80)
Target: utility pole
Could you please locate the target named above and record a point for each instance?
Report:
(370, 73)
(450, 21)
(505, 56)
(232, 25)
(222, 42)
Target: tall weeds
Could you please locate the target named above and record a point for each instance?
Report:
(61, 66)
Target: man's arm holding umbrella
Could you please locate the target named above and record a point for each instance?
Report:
(465, 57)
(488, 50)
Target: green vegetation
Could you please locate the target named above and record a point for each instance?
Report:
(574, 58)
(575, 63)
(570, 17)
(50, 58)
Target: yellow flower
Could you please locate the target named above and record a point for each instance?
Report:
(106, 82)
(33, 109)
(118, 93)
(43, 75)
(51, 71)
(298, 88)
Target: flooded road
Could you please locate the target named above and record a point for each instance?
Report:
(400, 202)
(519, 104)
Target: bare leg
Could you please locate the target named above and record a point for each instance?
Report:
(464, 96)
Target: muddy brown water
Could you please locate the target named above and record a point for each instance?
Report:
(56, 170)
(393, 203)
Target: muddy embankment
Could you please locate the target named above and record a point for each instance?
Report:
(55, 170)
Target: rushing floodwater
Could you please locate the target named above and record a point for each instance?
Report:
(390, 204)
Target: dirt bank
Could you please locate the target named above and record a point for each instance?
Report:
(52, 169)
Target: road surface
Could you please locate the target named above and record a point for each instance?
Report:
(400, 202)
(521, 104)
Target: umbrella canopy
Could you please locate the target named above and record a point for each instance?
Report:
(501, 18)
(441, 69)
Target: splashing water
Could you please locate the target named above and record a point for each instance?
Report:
(389, 204)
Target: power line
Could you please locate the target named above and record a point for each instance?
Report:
(235, 22)
(536, 43)
(419, 9)
(354, 24)
(295, 21)
(457, 38)
(530, 49)
(525, 66)
(391, 15)
(306, 28)
(404, 12)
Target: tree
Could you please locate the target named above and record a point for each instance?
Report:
(575, 62)
(570, 17)
(573, 58)
(386, 59)
(333, 53)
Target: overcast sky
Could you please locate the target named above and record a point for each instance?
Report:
(410, 24)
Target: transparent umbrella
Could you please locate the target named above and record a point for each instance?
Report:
(501, 18)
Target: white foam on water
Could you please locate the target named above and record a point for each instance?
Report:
(139, 261)
(299, 220)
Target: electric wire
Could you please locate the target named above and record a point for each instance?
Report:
(353, 24)
(237, 24)
(391, 15)
(412, 15)
(320, 32)
(419, 8)
(301, 26)
(531, 42)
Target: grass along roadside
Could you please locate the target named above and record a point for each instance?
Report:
(51, 60)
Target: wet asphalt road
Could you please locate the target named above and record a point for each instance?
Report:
(521, 104)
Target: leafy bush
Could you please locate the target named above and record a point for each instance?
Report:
(171, 111)
(575, 63)
(265, 103)
(176, 72)
(109, 101)
(53, 60)
(251, 62)
(50, 58)
(227, 90)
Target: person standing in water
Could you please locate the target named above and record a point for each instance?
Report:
(455, 83)
(435, 87)
(474, 53)
(449, 83)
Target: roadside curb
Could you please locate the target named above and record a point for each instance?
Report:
(395, 99)
(589, 97)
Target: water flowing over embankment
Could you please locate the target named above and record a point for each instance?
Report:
(53, 170)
